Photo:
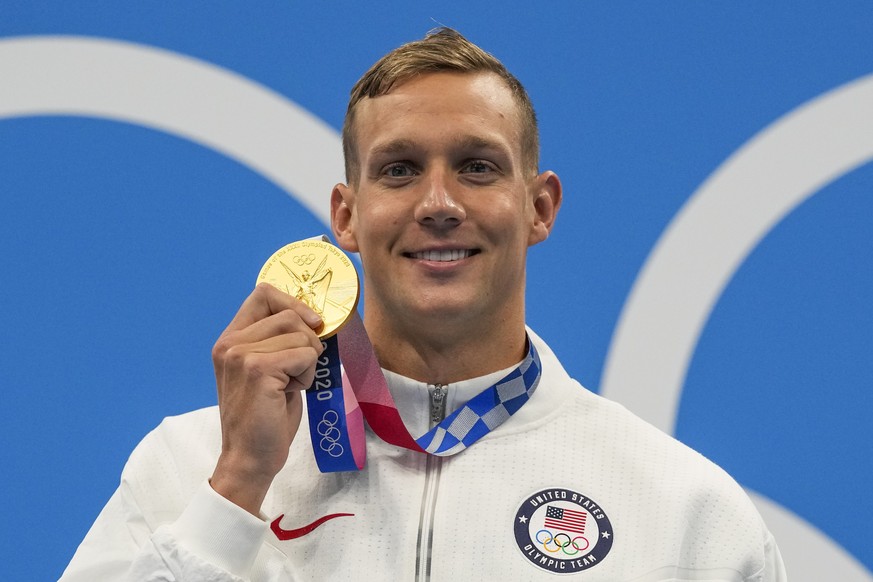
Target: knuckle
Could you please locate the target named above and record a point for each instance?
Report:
(221, 347)
(265, 293)
(311, 355)
(288, 319)
(235, 356)
(306, 378)
(262, 289)
(304, 361)
(244, 363)
(252, 371)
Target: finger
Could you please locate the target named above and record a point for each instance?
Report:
(283, 323)
(292, 368)
(230, 355)
(246, 358)
(285, 341)
(265, 301)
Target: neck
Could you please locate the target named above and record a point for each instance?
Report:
(442, 353)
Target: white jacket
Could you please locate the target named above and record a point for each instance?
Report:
(571, 484)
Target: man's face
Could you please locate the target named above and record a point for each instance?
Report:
(443, 209)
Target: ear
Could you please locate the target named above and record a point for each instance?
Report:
(342, 200)
(547, 196)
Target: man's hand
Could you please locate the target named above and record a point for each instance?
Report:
(263, 360)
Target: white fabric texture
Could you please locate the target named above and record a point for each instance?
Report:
(674, 515)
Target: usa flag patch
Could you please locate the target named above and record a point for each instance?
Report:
(562, 531)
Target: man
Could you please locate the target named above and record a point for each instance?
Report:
(443, 199)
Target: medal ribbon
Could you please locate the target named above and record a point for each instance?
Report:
(337, 404)
(336, 426)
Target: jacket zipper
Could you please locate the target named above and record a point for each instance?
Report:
(433, 468)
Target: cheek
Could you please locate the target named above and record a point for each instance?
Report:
(382, 218)
(374, 227)
(506, 219)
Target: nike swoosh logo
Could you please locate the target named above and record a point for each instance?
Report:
(292, 534)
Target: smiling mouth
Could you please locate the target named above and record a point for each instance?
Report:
(443, 256)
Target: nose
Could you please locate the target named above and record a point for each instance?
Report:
(438, 206)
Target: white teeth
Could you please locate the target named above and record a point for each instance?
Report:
(442, 256)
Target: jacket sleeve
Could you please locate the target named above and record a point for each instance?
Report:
(212, 539)
(165, 522)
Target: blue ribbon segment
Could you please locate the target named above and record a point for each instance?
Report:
(325, 404)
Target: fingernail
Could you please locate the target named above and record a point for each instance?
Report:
(313, 319)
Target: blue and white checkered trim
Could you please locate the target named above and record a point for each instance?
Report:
(485, 411)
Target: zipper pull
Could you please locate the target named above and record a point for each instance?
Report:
(437, 402)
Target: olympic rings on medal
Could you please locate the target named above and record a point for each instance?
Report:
(330, 434)
(562, 542)
(303, 260)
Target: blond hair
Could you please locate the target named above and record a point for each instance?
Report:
(442, 50)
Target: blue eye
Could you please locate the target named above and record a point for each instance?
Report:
(398, 170)
(478, 167)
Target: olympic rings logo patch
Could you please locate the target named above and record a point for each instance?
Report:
(561, 542)
(330, 434)
(303, 260)
(562, 531)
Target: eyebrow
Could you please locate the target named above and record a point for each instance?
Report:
(465, 142)
(392, 147)
(478, 142)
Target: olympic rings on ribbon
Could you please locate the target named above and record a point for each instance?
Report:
(327, 428)
(561, 544)
(301, 260)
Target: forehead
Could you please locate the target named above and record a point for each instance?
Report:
(460, 107)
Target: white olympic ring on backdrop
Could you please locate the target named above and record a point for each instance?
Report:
(326, 428)
(179, 95)
(279, 140)
(698, 254)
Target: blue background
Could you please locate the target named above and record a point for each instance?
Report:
(125, 251)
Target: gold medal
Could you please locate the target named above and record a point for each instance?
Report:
(318, 274)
